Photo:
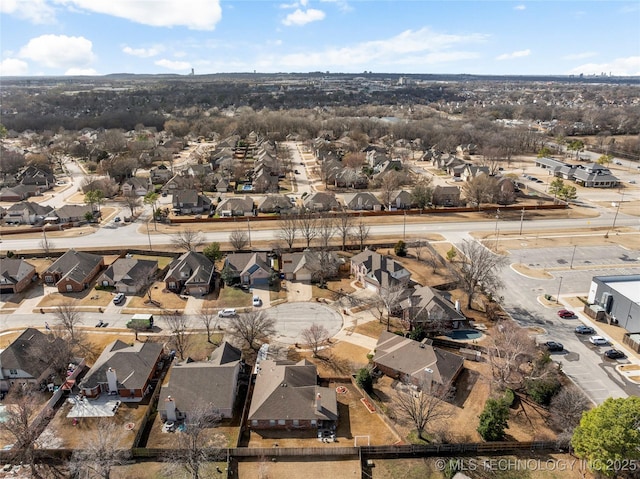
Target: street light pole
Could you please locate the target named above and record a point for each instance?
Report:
(404, 227)
(558, 295)
(149, 236)
(572, 256)
(521, 221)
(249, 228)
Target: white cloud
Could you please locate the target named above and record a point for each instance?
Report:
(173, 65)
(520, 7)
(35, 11)
(193, 14)
(59, 51)
(13, 67)
(428, 46)
(81, 72)
(142, 52)
(342, 5)
(579, 56)
(629, 66)
(300, 17)
(512, 55)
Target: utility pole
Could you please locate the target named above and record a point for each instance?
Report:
(249, 228)
(404, 227)
(572, 256)
(615, 217)
(521, 221)
(149, 236)
(558, 295)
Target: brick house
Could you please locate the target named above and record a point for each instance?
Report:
(73, 271)
(15, 275)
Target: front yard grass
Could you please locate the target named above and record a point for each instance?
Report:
(166, 299)
(230, 297)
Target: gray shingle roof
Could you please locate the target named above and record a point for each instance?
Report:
(13, 270)
(75, 265)
(25, 352)
(130, 271)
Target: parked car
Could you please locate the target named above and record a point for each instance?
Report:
(614, 354)
(554, 346)
(117, 219)
(565, 313)
(296, 172)
(582, 329)
(119, 298)
(257, 301)
(598, 340)
(99, 324)
(227, 313)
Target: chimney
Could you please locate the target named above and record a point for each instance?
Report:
(112, 381)
(318, 402)
(170, 407)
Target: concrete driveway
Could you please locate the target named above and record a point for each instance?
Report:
(299, 291)
(262, 292)
(292, 318)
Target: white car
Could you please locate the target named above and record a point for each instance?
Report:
(227, 313)
(257, 301)
(598, 340)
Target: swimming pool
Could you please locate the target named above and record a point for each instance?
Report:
(462, 334)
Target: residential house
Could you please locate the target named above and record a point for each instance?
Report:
(23, 361)
(235, 206)
(129, 275)
(136, 186)
(160, 174)
(471, 172)
(17, 193)
(192, 273)
(27, 213)
(178, 182)
(321, 201)
(73, 271)
(376, 156)
(377, 272)
(32, 175)
(363, 200)
(429, 368)
(15, 275)
(194, 385)
(274, 204)
(71, 214)
(446, 196)
(401, 200)
(124, 370)
(286, 396)
(431, 309)
(309, 265)
(190, 202)
(387, 166)
(594, 175)
(248, 268)
(264, 181)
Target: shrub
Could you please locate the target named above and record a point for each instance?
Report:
(509, 397)
(400, 248)
(364, 379)
(493, 420)
(542, 390)
(452, 253)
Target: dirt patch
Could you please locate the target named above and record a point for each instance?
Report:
(166, 300)
(524, 270)
(630, 367)
(88, 298)
(340, 359)
(294, 469)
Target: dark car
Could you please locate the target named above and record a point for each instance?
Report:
(565, 313)
(582, 329)
(614, 354)
(554, 346)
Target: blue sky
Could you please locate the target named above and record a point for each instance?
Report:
(97, 37)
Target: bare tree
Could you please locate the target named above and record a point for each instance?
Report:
(55, 354)
(308, 226)
(390, 298)
(479, 269)
(421, 407)
(239, 239)
(510, 350)
(133, 201)
(18, 423)
(326, 231)
(568, 406)
(188, 239)
(361, 233)
(100, 452)
(388, 186)
(196, 446)
(288, 229)
(481, 189)
(253, 328)
(315, 336)
(418, 248)
(46, 244)
(209, 318)
(178, 326)
(344, 226)
(68, 318)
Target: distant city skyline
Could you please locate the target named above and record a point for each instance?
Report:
(100, 37)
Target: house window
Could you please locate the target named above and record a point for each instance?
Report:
(272, 422)
(48, 279)
(172, 285)
(314, 422)
(254, 422)
(69, 287)
(281, 422)
(296, 422)
(13, 372)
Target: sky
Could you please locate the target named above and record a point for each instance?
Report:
(99, 37)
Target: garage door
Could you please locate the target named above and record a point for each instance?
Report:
(260, 281)
(6, 290)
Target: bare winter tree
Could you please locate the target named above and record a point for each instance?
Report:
(133, 201)
(315, 336)
(308, 226)
(178, 326)
(361, 233)
(388, 186)
(209, 318)
(511, 349)
(326, 231)
(68, 318)
(46, 244)
(568, 406)
(421, 407)
(288, 229)
(239, 239)
(479, 269)
(253, 328)
(188, 239)
(18, 423)
(344, 227)
(388, 299)
(100, 453)
(481, 189)
(196, 446)
(56, 353)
